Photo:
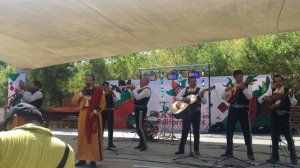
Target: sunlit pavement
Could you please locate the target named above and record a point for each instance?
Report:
(160, 153)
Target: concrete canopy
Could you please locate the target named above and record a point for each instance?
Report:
(39, 33)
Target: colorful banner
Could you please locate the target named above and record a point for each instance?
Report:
(159, 103)
(15, 81)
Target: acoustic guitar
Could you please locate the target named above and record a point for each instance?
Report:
(277, 99)
(179, 108)
(194, 97)
(232, 94)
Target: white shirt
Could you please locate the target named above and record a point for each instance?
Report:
(88, 98)
(117, 96)
(247, 92)
(180, 95)
(28, 97)
(143, 94)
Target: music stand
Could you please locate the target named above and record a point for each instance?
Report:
(122, 139)
(276, 163)
(172, 134)
(235, 158)
(115, 151)
(191, 153)
(164, 134)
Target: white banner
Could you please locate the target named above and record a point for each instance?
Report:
(15, 81)
(158, 116)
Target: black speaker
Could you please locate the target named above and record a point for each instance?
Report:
(217, 128)
(265, 129)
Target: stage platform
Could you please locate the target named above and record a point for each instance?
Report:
(160, 153)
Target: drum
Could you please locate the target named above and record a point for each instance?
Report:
(179, 110)
(154, 114)
(151, 129)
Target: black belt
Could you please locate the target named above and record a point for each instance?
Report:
(238, 106)
(281, 112)
(140, 106)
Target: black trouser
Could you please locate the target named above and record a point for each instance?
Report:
(194, 119)
(108, 120)
(282, 121)
(140, 115)
(241, 115)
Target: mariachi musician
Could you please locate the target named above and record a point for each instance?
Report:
(238, 111)
(111, 97)
(194, 117)
(123, 90)
(141, 98)
(120, 87)
(33, 95)
(92, 102)
(280, 117)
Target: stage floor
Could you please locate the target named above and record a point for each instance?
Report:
(160, 153)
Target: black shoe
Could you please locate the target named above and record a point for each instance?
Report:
(93, 164)
(293, 157)
(251, 157)
(273, 160)
(196, 152)
(81, 163)
(227, 154)
(179, 152)
(143, 148)
(111, 146)
(137, 147)
(294, 162)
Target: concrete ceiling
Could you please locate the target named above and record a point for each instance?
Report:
(39, 33)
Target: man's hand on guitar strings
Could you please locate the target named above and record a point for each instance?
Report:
(187, 100)
(229, 88)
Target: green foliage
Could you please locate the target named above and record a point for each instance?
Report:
(5, 70)
(54, 81)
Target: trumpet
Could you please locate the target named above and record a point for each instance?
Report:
(121, 87)
(127, 86)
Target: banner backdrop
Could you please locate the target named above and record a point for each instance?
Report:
(15, 81)
(163, 96)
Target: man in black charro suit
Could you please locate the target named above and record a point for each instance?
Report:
(238, 111)
(280, 118)
(195, 117)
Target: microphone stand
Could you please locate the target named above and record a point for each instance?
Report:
(191, 153)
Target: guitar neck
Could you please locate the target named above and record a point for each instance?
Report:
(207, 89)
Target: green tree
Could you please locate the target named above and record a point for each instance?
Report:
(54, 80)
(5, 70)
